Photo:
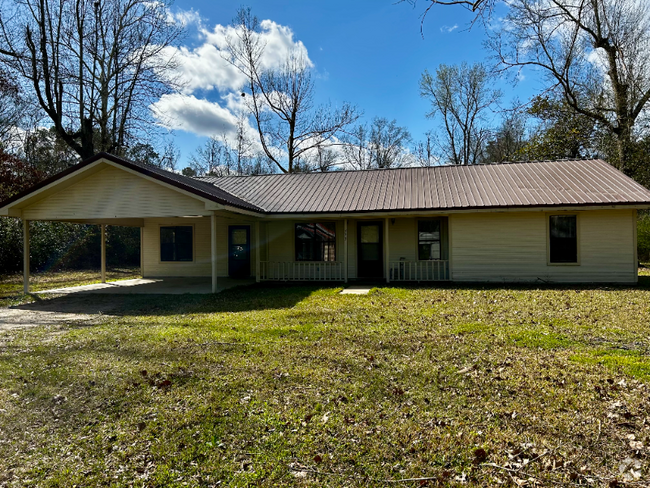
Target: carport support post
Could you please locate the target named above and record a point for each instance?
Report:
(25, 256)
(103, 227)
(387, 250)
(345, 250)
(257, 251)
(213, 250)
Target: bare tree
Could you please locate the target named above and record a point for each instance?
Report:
(242, 152)
(388, 143)
(382, 145)
(210, 159)
(508, 141)
(13, 108)
(282, 100)
(481, 8)
(93, 66)
(423, 151)
(321, 159)
(596, 54)
(226, 155)
(460, 96)
(355, 149)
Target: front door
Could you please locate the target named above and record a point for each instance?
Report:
(239, 251)
(370, 250)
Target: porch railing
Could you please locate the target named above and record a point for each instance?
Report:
(301, 271)
(437, 270)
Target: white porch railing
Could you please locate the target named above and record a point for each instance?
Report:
(437, 270)
(301, 271)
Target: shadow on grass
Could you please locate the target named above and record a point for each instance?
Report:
(240, 299)
(259, 297)
(643, 284)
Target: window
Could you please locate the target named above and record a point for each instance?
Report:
(176, 243)
(563, 239)
(316, 242)
(428, 240)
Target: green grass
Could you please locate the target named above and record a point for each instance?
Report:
(11, 286)
(302, 386)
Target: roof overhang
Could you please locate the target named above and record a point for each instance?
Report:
(447, 211)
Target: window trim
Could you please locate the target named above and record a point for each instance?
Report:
(295, 223)
(160, 261)
(417, 238)
(548, 216)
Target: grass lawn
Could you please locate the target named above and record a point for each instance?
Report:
(301, 386)
(11, 287)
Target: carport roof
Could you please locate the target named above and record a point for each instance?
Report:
(200, 188)
(590, 182)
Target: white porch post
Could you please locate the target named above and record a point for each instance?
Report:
(213, 250)
(257, 251)
(25, 256)
(387, 250)
(103, 227)
(345, 250)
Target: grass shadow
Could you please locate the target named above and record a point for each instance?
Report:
(255, 297)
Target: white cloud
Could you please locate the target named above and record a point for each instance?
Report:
(185, 17)
(191, 114)
(447, 28)
(204, 68)
(199, 116)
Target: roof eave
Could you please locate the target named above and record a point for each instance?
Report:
(429, 211)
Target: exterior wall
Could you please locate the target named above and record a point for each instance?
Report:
(281, 244)
(496, 247)
(513, 247)
(113, 193)
(201, 265)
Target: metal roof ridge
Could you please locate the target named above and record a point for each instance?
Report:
(401, 168)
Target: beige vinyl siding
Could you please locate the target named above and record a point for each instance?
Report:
(513, 247)
(113, 193)
(280, 244)
(403, 239)
(201, 265)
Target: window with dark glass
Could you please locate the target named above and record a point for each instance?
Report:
(428, 240)
(316, 241)
(176, 243)
(563, 239)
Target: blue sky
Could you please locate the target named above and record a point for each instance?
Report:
(369, 53)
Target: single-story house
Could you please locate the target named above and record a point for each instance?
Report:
(551, 221)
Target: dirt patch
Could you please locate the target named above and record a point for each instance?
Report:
(68, 310)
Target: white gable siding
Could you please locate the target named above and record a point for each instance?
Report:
(512, 246)
(113, 193)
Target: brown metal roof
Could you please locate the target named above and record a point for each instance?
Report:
(507, 185)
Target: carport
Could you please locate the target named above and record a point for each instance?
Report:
(106, 190)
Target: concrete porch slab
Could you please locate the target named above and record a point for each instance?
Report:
(356, 290)
(152, 286)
